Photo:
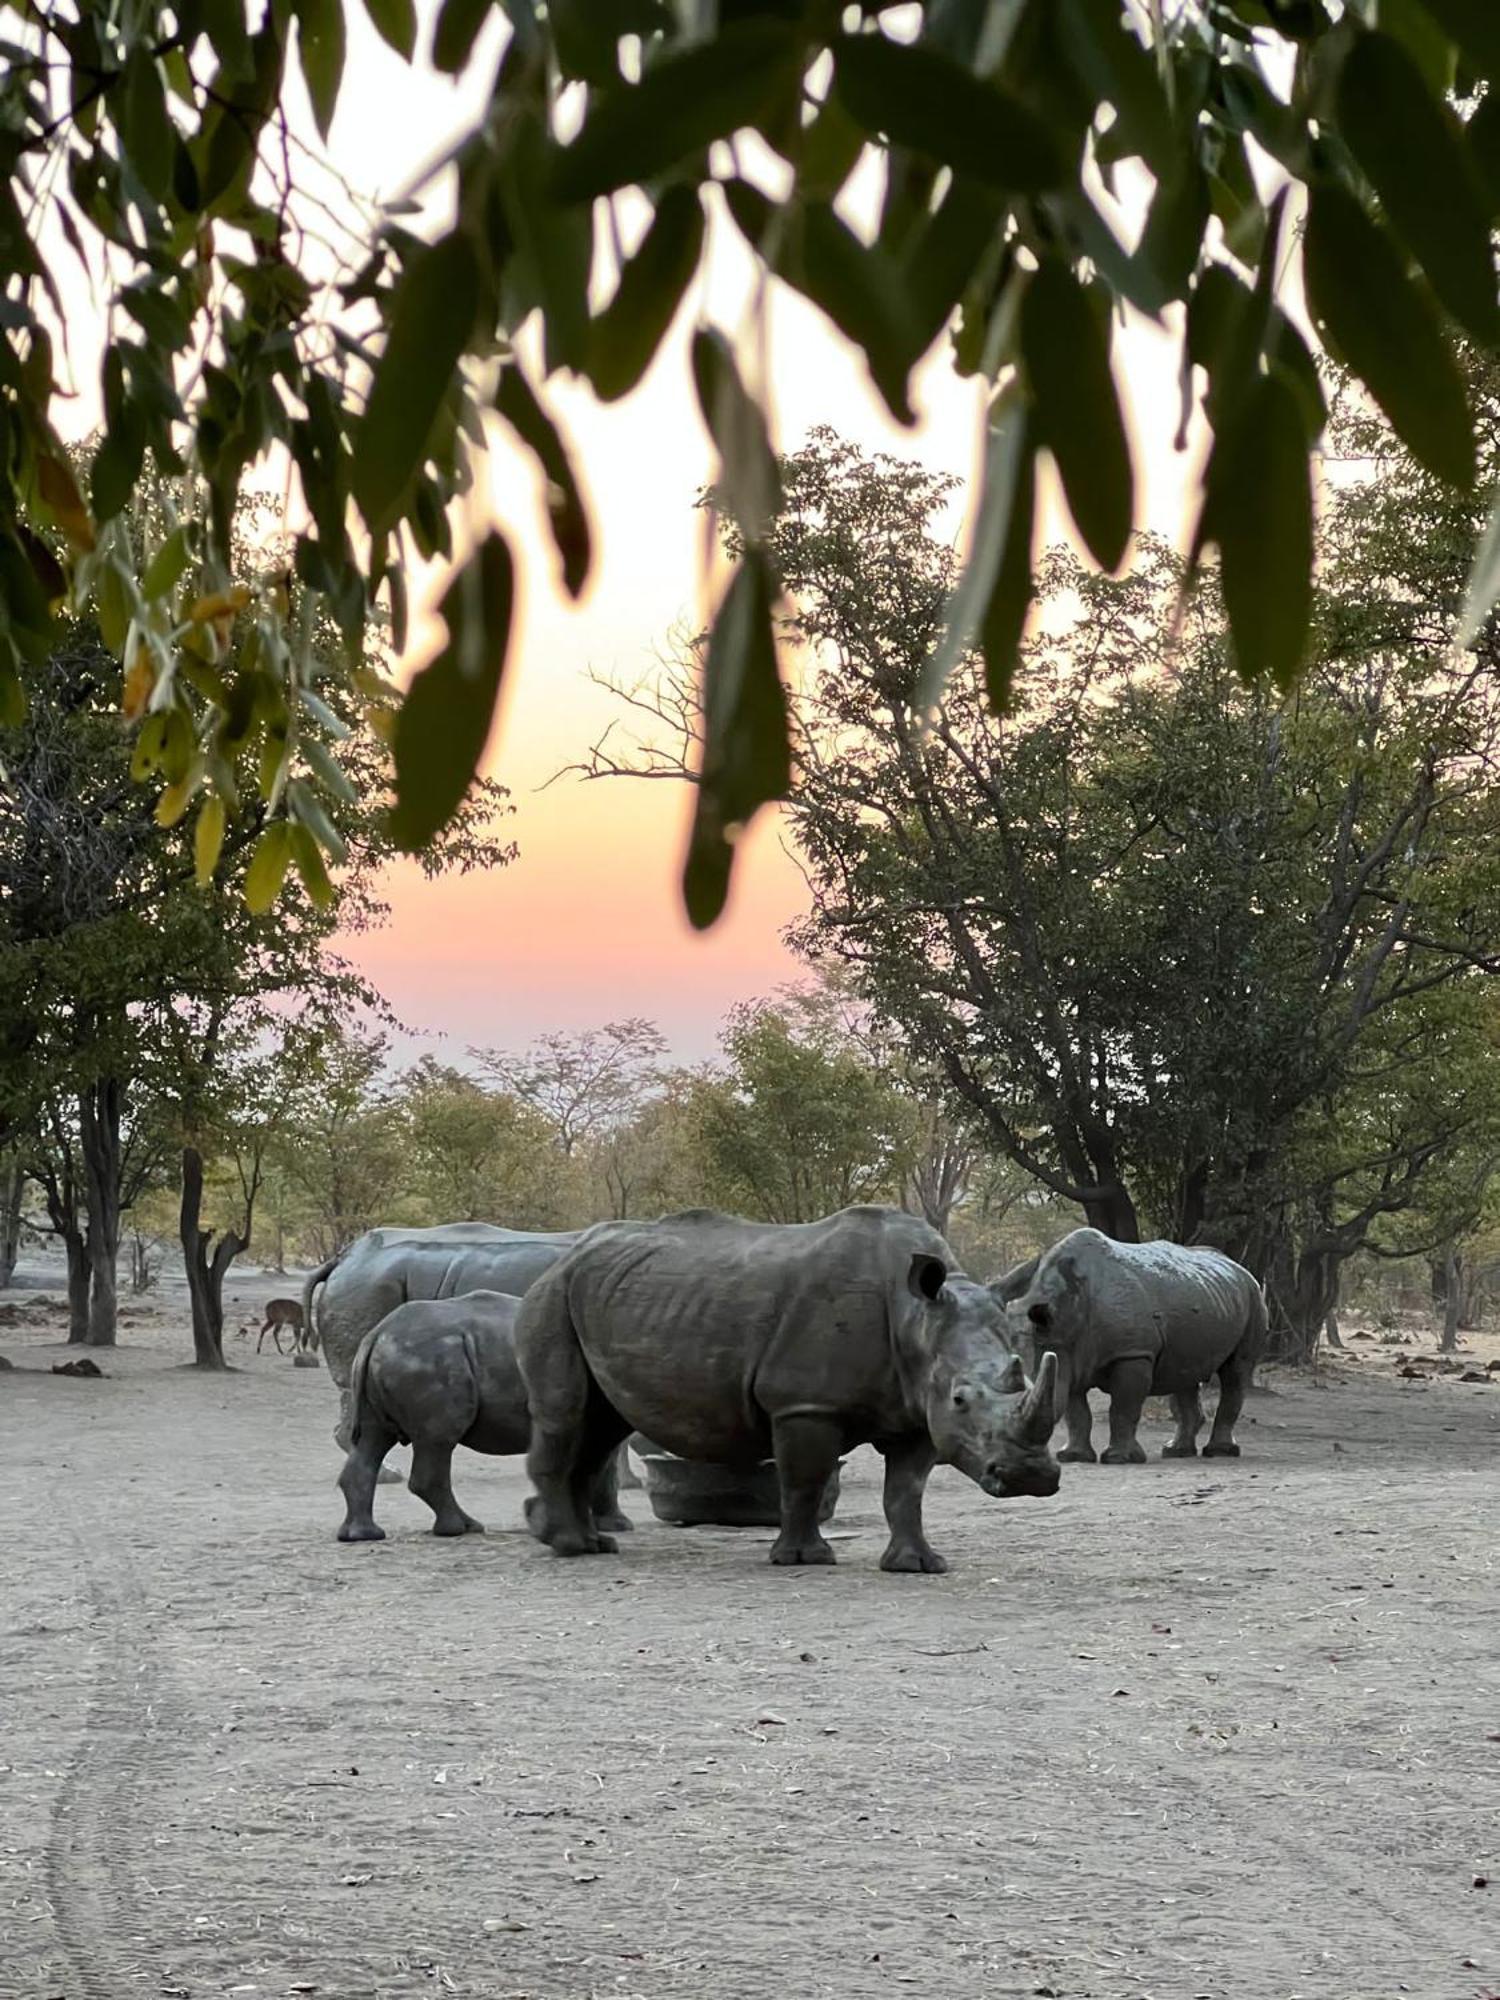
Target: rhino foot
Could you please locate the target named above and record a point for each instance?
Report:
(615, 1523)
(1188, 1450)
(1224, 1449)
(1075, 1455)
(458, 1524)
(787, 1555)
(1124, 1454)
(914, 1559)
(361, 1531)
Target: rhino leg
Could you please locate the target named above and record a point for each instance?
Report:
(1234, 1382)
(432, 1480)
(1188, 1411)
(566, 1466)
(806, 1451)
(1128, 1383)
(1079, 1449)
(604, 1500)
(908, 1462)
(358, 1480)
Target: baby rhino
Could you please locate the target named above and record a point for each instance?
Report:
(433, 1374)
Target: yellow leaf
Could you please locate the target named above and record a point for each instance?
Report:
(140, 679)
(208, 839)
(220, 604)
(66, 504)
(309, 860)
(267, 870)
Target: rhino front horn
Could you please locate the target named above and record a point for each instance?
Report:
(1037, 1414)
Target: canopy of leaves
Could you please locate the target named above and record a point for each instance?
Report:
(153, 144)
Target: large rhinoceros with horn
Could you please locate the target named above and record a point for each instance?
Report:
(730, 1341)
(385, 1267)
(1138, 1320)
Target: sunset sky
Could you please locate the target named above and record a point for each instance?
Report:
(586, 926)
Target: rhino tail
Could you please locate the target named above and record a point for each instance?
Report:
(1257, 1334)
(357, 1388)
(324, 1272)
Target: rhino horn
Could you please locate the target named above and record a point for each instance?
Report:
(1037, 1414)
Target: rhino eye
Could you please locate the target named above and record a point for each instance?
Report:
(960, 1399)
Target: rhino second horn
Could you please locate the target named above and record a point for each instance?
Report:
(1037, 1415)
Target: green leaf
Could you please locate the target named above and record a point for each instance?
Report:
(1482, 591)
(1419, 34)
(1117, 68)
(1475, 26)
(923, 100)
(568, 518)
(432, 320)
(1259, 510)
(625, 336)
(1175, 223)
(746, 752)
(940, 263)
(444, 722)
(395, 21)
(457, 30)
(167, 565)
(748, 478)
(1005, 504)
(1412, 151)
(307, 810)
(267, 870)
(861, 292)
(1065, 346)
(113, 608)
(556, 242)
(685, 101)
(320, 42)
(145, 125)
(308, 859)
(12, 692)
(1383, 327)
(1482, 134)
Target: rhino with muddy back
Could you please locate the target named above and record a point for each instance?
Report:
(435, 1374)
(1138, 1320)
(731, 1341)
(385, 1267)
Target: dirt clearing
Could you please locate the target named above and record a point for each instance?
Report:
(1191, 1728)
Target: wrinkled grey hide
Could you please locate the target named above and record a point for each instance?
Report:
(1138, 1320)
(386, 1267)
(733, 1341)
(434, 1374)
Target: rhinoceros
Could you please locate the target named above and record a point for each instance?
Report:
(386, 1267)
(437, 1373)
(729, 1341)
(1138, 1320)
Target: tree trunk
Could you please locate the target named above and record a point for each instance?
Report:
(1112, 1212)
(1301, 1307)
(205, 1271)
(76, 1251)
(99, 1108)
(1331, 1328)
(12, 1188)
(1452, 1301)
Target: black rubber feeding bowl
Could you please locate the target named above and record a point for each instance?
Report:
(689, 1494)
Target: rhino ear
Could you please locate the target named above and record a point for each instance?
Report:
(926, 1276)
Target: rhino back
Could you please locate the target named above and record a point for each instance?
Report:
(701, 1328)
(386, 1267)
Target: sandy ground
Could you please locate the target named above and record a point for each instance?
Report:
(1217, 1729)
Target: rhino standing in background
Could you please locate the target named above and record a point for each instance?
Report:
(730, 1341)
(1138, 1320)
(434, 1374)
(386, 1267)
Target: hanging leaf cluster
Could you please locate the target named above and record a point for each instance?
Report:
(151, 154)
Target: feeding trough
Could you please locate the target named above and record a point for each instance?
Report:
(689, 1493)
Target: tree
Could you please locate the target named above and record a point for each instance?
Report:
(1199, 959)
(341, 1141)
(586, 1084)
(1012, 142)
(478, 1155)
(799, 1124)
